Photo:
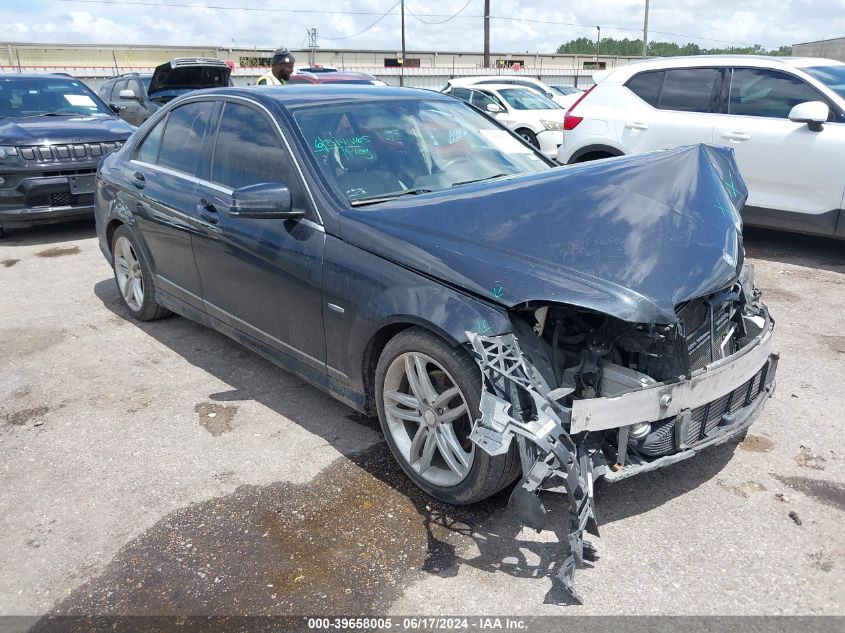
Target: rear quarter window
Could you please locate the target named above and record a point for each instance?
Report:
(647, 86)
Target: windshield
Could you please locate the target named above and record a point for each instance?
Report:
(831, 76)
(146, 81)
(520, 99)
(47, 96)
(381, 149)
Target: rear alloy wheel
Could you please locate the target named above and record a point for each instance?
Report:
(427, 395)
(529, 137)
(134, 280)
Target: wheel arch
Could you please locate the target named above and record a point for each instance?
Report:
(111, 228)
(601, 151)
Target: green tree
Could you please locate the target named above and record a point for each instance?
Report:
(634, 48)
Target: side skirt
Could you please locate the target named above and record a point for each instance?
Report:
(322, 381)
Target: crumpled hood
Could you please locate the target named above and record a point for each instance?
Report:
(630, 237)
(63, 129)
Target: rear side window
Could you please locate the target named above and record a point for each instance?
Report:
(647, 86)
(689, 89)
(462, 93)
(182, 143)
(769, 93)
(147, 151)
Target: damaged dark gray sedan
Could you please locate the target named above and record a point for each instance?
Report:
(504, 318)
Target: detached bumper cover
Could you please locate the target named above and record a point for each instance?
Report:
(517, 402)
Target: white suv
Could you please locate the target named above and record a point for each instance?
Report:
(784, 118)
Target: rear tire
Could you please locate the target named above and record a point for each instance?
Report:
(135, 282)
(433, 394)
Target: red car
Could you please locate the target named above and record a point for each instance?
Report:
(334, 78)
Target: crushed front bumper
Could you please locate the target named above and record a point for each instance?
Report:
(563, 446)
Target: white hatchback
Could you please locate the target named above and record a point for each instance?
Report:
(538, 120)
(563, 100)
(784, 118)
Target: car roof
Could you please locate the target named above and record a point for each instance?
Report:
(460, 81)
(297, 95)
(499, 87)
(39, 76)
(622, 73)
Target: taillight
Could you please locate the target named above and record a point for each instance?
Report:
(570, 122)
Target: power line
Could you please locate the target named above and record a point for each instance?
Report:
(346, 37)
(172, 3)
(451, 17)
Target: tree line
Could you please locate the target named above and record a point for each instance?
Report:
(634, 48)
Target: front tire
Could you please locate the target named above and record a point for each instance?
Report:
(134, 280)
(428, 394)
(529, 137)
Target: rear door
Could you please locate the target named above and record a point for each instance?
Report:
(260, 276)
(794, 175)
(675, 107)
(163, 176)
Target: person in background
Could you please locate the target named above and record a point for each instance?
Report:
(280, 71)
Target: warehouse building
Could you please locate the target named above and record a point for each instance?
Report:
(829, 49)
(428, 69)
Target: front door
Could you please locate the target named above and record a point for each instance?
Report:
(260, 276)
(794, 175)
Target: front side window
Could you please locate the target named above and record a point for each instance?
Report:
(183, 142)
(689, 89)
(481, 100)
(769, 93)
(248, 151)
(464, 94)
(370, 151)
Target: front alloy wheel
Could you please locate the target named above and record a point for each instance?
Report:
(427, 416)
(428, 394)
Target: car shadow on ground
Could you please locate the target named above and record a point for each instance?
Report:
(433, 537)
(811, 251)
(49, 233)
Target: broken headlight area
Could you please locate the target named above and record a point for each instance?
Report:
(585, 395)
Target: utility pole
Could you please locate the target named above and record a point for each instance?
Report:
(598, 45)
(312, 46)
(645, 32)
(402, 61)
(487, 33)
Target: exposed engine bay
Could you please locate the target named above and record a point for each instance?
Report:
(586, 395)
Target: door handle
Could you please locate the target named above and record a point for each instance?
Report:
(208, 212)
(636, 125)
(139, 180)
(736, 136)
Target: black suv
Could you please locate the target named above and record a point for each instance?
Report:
(53, 132)
(135, 96)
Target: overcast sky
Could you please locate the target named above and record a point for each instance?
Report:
(709, 23)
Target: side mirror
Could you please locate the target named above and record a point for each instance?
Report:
(494, 108)
(115, 108)
(128, 94)
(813, 113)
(264, 200)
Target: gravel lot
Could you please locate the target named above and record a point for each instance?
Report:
(160, 468)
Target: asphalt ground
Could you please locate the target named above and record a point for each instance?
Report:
(160, 468)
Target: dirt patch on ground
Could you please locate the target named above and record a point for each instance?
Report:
(836, 343)
(22, 417)
(745, 489)
(58, 251)
(349, 541)
(8, 263)
(807, 459)
(830, 493)
(216, 418)
(757, 444)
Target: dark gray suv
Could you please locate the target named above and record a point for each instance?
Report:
(135, 96)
